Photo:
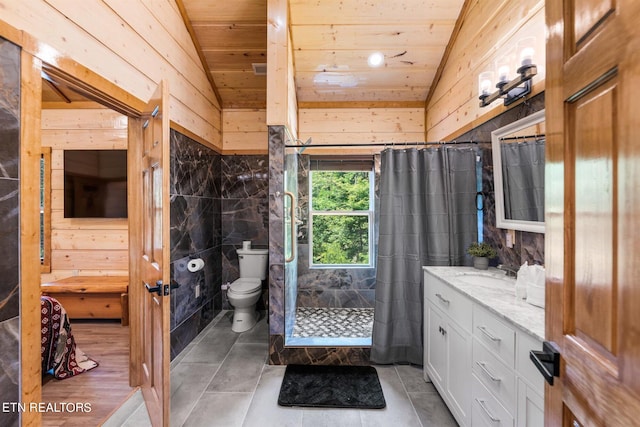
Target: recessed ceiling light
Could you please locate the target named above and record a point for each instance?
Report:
(376, 59)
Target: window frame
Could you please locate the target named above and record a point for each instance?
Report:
(370, 214)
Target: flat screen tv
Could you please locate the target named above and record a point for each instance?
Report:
(95, 183)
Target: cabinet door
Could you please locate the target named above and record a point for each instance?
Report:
(436, 354)
(458, 372)
(530, 406)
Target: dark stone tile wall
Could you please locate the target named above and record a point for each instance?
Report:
(217, 202)
(9, 229)
(245, 213)
(196, 219)
(528, 246)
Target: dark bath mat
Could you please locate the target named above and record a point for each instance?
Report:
(331, 387)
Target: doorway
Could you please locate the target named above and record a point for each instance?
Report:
(85, 244)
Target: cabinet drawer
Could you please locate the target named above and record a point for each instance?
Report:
(452, 303)
(495, 375)
(486, 410)
(499, 338)
(525, 367)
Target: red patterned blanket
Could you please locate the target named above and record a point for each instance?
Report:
(59, 351)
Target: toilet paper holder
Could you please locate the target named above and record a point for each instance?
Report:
(195, 264)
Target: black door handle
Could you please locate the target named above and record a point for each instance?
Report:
(547, 361)
(157, 288)
(160, 289)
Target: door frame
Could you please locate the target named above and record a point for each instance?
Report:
(107, 93)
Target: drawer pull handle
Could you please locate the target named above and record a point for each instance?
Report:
(483, 366)
(443, 299)
(483, 406)
(489, 335)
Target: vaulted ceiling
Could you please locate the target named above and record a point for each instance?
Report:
(332, 41)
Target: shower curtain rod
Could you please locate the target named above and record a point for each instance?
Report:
(380, 144)
(509, 138)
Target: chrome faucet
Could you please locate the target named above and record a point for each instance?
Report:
(509, 270)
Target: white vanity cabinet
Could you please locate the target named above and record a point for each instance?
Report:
(477, 360)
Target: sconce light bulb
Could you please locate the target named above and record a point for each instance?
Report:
(485, 87)
(526, 56)
(503, 73)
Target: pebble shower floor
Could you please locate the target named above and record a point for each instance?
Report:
(333, 322)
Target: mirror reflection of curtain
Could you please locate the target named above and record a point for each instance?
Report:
(427, 217)
(523, 180)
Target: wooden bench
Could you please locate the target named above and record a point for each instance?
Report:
(92, 297)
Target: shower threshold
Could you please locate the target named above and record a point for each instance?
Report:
(326, 326)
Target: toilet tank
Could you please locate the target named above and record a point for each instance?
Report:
(253, 262)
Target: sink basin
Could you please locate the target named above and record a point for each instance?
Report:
(485, 279)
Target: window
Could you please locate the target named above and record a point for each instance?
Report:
(341, 200)
(45, 210)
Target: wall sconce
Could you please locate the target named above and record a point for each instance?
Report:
(509, 90)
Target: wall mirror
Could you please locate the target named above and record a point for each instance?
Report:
(518, 173)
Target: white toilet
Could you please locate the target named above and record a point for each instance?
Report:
(244, 293)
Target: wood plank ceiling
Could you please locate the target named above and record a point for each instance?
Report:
(332, 40)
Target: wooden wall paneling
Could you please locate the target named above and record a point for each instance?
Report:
(89, 259)
(487, 32)
(72, 47)
(363, 138)
(84, 119)
(362, 120)
(90, 239)
(183, 60)
(470, 59)
(97, 19)
(86, 245)
(30, 367)
(243, 98)
(245, 131)
(377, 95)
(61, 274)
(362, 126)
(278, 64)
(244, 121)
(70, 139)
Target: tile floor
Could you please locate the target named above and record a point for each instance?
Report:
(330, 322)
(221, 379)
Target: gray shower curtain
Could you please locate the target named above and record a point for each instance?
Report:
(427, 217)
(523, 180)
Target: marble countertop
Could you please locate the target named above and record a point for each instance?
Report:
(498, 296)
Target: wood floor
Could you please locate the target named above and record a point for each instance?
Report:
(104, 387)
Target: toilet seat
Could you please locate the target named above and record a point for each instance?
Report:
(245, 286)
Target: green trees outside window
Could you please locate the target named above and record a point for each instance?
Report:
(341, 218)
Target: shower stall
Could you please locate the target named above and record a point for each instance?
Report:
(327, 304)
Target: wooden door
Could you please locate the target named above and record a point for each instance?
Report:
(154, 254)
(593, 211)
